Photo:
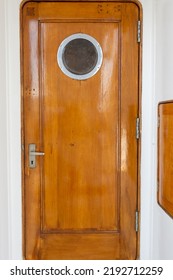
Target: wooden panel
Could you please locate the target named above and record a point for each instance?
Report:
(165, 157)
(77, 11)
(80, 247)
(30, 130)
(129, 112)
(81, 141)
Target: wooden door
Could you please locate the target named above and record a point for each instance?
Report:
(81, 198)
(165, 156)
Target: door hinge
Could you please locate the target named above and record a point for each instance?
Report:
(139, 31)
(137, 128)
(137, 221)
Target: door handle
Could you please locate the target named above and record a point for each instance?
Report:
(32, 154)
(37, 154)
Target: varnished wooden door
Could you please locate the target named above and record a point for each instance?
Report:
(81, 198)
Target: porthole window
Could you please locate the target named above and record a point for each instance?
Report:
(79, 56)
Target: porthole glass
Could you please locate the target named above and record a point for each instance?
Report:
(79, 56)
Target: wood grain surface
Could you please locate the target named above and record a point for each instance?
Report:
(80, 200)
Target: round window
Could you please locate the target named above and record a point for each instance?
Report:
(79, 56)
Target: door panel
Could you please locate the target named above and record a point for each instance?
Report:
(165, 139)
(79, 202)
(81, 136)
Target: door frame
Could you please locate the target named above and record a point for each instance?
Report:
(139, 104)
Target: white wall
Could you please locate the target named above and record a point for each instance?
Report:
(10, 162)
(3, 141)
(164, 91)
(14, 125)
(148, 139)
(156, 227)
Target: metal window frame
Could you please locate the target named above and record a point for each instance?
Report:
(61, 50)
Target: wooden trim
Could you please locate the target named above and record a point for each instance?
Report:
(164, 102)
(138, 3)
(140, 116)
(22, 132)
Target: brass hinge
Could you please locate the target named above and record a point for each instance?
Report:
(137, 221)
(137, 128)
(139, 31)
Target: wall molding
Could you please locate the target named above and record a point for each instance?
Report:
(4, 236)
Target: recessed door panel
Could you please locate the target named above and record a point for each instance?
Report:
(82, 136)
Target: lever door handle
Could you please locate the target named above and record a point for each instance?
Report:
(36, 153)
(32, 154)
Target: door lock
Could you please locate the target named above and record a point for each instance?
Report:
(32, 154)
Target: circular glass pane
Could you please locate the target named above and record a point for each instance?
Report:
(80, 56)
